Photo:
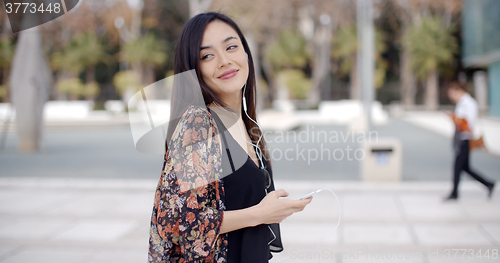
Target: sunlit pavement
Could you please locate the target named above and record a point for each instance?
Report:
(107, 220)
(87, 197)
(399, 222)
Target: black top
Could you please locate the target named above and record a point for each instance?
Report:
(243, 188)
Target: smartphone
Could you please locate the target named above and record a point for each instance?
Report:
(309, 195)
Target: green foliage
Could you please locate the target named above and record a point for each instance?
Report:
(75, 87)
(431, 45)
(147, 50)
(296, 82)
(289, 51)
(90, 89)
(3, 91)
(72, 86)
(83, 50)
(381, 67)
(169, 73)
(6, 52)
(125, 79)
(66, 61)
(345, 49)
(99, 105)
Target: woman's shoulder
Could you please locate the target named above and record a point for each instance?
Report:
(196, 119)
(195, 114)
(195, 109)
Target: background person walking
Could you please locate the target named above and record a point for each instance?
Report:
(465, 119)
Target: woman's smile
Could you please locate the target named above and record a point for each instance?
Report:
(228, 74)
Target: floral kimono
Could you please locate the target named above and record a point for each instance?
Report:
(189, 200)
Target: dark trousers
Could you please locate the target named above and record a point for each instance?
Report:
(462, 164)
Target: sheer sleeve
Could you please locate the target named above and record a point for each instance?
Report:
(188, 210)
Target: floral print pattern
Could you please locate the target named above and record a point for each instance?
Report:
(189, 199)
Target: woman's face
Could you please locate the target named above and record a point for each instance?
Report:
(223, 62)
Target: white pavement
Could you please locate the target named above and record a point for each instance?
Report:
(107, 220)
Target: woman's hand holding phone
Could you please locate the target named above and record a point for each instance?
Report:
(274, 209)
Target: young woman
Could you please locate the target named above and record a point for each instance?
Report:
(208, 207)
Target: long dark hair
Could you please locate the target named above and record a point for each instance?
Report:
(187, 57)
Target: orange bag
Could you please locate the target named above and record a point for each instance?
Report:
(462, 125)
(478, 143)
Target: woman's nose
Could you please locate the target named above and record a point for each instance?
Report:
(223, 60)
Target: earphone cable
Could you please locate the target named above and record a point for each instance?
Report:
(245, 110)
(258, 151)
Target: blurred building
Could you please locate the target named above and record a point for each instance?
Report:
(481, 44)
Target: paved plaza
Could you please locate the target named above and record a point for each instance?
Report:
(107, 220)
(87, 198)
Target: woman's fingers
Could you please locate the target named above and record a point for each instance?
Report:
(293, 206)
(281, 193)
(301, 204)
(279, 209)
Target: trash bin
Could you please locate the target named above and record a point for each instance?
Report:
(382, 160)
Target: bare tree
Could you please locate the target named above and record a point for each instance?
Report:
(327, 16)
(411, 12)
(408, 83)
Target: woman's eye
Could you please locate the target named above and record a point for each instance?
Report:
(204, 57)
(228, 48)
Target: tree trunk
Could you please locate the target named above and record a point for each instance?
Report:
(149, 76)
(5, 78)
(354, 93)
(431, 96)
(268, 71)
(60, 75)
(314, 94)
(321, 66)
(139, 70)
(129, 92)
(30, 81)
(90, 76)
(408, 81)
(254, 48)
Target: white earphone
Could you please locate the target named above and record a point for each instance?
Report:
(258, 152)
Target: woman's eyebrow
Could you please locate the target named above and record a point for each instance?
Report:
(225, 40)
